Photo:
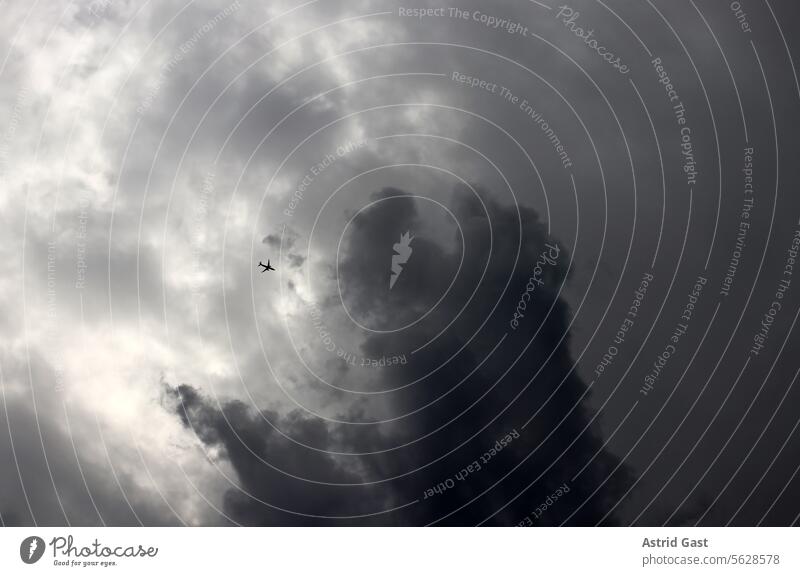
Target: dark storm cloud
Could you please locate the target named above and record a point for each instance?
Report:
(266, 461)
(462, 407)
(368, 250)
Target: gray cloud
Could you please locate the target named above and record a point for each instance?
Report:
(173, 228)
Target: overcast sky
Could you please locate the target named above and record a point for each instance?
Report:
(533, 263)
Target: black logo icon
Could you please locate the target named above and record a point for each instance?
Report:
(31, 549)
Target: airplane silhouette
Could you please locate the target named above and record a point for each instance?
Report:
(267, 267)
